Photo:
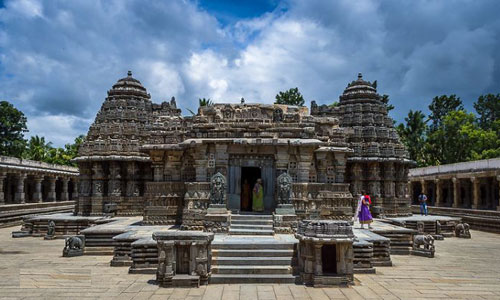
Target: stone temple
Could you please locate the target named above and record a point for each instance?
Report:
(147, 159)
(240, 193)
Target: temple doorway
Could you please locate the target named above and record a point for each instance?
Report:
(329, 258)
(249, 176)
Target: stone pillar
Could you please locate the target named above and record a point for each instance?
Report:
(132, 186)
(74, 194)
(114, 184)
(475, 192)
(157, 172)
(64, 192)
(439, 196)
(340, 166)
(456, 192)
(498, 206)
(318, 268)
(423, 186)
(37, 195)
(2, 195)
(51, 195)
(201, 163)
(304, 164)
(19, 195)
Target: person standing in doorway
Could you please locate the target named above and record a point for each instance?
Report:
(422, 199)
(258, 196)
(245, 195)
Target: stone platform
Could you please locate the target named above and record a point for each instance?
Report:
(446, 226)
(32, 268)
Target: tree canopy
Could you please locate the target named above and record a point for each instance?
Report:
(290, 97)
(453, 135)
(12, 129)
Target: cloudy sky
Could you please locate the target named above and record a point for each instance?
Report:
(58, 58)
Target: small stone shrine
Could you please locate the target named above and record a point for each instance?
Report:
(183, 258)
(325, 252)
(462, 230)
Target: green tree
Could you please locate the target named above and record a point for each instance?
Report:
(12, 128)
(385, 99)
(488, 110)
(37, 149)
(412, 134)
(440, 107)
(290, 97)
(205, 102)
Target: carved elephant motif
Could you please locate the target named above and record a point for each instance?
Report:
(73, 243)
(462, 230)
(427, 241)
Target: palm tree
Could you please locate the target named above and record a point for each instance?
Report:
(205, 102)
(37, 149)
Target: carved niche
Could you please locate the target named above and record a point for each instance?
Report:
(218, 189)
(284, 188)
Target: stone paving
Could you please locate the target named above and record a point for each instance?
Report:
(32, 268)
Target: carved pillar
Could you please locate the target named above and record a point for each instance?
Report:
(221, 158)
(423, 186)
(340, 166)
(475, 192)
(19, 195)
(97, 189)
(439, 196)
(304, 164)
(357, 180)
(37, 195)
(2, 195)
(282, 158)
(64, 192)
(321, 167)
(201, 163)
(115, 185)
(132, 174)
(318, 268)
(51, 195)
(456, 192)
(74, 193)
(158, 172)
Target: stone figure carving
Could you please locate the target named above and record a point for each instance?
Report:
(284, 188)
(218, 189)
(438, 227)
(51, 229)
(427, 241)
(73, 246)
(462, 231)
(73, 243)
(278, 115)
(420, 227)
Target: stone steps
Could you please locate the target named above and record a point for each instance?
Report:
(251, 225)
(252, 253)
(251, 278)
(250, 231)
(257, 269)
(252, 261)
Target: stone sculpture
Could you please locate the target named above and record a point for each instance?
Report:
(73, 246)
(51, 230)
(427, 241)
(462, 231)
(284, 188)
(218, 189)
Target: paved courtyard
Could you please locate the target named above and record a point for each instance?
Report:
(32, 268)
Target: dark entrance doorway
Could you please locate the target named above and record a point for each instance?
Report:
(329, 259)
(249, 176)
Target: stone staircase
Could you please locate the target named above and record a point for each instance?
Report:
(251, 253)
(251, 225)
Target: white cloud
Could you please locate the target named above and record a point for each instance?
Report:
(58, 58)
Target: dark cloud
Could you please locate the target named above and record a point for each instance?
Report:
(58, 58)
